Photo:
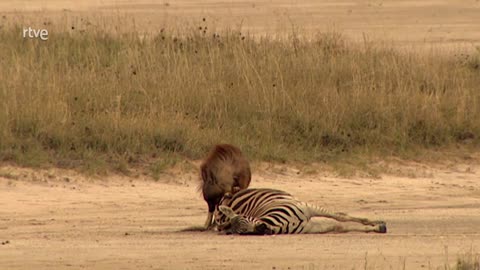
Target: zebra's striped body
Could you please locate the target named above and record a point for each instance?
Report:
(269, 211)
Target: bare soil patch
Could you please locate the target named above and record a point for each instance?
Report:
(55, 219)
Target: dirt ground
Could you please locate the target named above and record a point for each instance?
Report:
(57, 219)
(434, 21)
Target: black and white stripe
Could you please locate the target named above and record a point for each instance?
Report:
(283, 214)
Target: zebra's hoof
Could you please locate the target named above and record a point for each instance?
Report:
(382, 228)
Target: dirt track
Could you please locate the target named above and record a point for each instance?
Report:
(60, 220)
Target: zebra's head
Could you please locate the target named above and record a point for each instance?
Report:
(219, 216)
(227, 211)
(238, 224)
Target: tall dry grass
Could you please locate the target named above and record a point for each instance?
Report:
(90, 97)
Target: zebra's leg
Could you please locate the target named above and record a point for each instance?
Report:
(316, 211)
(315, 226)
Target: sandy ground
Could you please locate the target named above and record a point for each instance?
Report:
(54, 219)
(406, 22)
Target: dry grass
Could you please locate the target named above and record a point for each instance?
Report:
(93, 97)
(468, 261)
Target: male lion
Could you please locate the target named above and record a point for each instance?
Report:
(224, 171)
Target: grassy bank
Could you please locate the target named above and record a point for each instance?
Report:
(91, 97)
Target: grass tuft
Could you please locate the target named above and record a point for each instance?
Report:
(469, 261)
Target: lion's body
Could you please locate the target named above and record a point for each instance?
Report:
(224, 171)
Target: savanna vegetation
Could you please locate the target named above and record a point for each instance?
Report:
(94, 97)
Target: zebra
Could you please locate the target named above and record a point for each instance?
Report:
(270, 211)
